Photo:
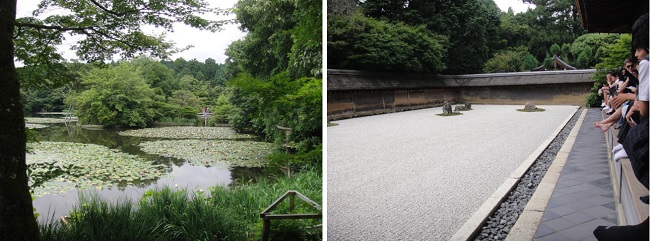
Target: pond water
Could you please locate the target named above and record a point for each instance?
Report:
(180, 173)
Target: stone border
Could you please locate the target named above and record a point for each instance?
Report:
(534, 210)
(476, 221)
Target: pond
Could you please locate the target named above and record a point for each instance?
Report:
(181, 157)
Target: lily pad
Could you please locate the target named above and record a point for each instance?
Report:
(57, 167)
(212, 152)
(187, 132)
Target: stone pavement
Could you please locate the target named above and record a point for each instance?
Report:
(583, 198)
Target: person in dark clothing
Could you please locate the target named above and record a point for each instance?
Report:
(636, 140)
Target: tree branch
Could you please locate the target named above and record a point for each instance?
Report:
(113, 38)
(40, 26)
(106, 9)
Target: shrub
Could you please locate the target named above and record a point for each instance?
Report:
(592, 100)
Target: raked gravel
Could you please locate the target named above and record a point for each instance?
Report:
(418, 176)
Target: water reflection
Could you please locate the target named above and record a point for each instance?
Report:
(181, 174)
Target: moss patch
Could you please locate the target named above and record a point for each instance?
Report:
(332, 124)
(452, 114)
(536, 110)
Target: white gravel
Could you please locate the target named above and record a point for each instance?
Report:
(418, 176)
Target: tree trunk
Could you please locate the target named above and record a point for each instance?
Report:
(17, 220)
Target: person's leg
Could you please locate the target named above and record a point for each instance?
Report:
(611, 119)
(604, 126)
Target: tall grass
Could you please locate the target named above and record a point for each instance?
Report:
(165, 214)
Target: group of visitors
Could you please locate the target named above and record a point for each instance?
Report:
(626, 97)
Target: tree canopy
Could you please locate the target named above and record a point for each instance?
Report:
(362, 43)
(105, 29)
(276, 72)
(477, 33)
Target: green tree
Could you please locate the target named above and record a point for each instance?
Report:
(529, 63)
(566, 52)
(188, 82)
(281, 49)
(548, 63)
(341, 7)
(103, 30)
(157, 75)
(553, 21)
(513, 29)
(611, 57)
(358, 42)
(614, 53)
(588, 44)
(48, 99)
(117, 96)
(185, 98)
(471, 26)
(555, 49)
(286, 102)
(223, 108)
(269, 25)
(506, 61)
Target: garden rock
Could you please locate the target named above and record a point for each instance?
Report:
(530, 106)
(446, 108)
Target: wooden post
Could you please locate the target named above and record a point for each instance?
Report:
(266, 229)
(291, 201)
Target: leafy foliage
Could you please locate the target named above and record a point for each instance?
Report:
(282, 35)
(529, 63)
(612, 56)
(282, 101)
(226, 153)
(117, 95)
(189, 132)
(551, 22)
(276, 73)
(555, 49)
(471, 27)
(165, 214)
(511, 60)
(585, 47)
(615, 52)
(106, 29)
(57, 167)
(358, 42)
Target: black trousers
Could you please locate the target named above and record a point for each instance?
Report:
(636, 146)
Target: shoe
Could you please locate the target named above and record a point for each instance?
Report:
(617, 148)
(620, 154)
(602, 104)
(606, 108)
(611, 112)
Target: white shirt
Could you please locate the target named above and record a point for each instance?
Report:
(644, 88)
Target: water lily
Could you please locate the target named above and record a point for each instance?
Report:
(83, 166)
(213, 152)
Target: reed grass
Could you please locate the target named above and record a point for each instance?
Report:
(230, 213)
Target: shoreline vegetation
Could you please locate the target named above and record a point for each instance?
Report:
(220, 213)
(171, 213)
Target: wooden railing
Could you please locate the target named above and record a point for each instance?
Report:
(627, 188)
(291, 194)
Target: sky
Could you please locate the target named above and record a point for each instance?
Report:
(206, 44)
(517, 5)
(213, 45)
